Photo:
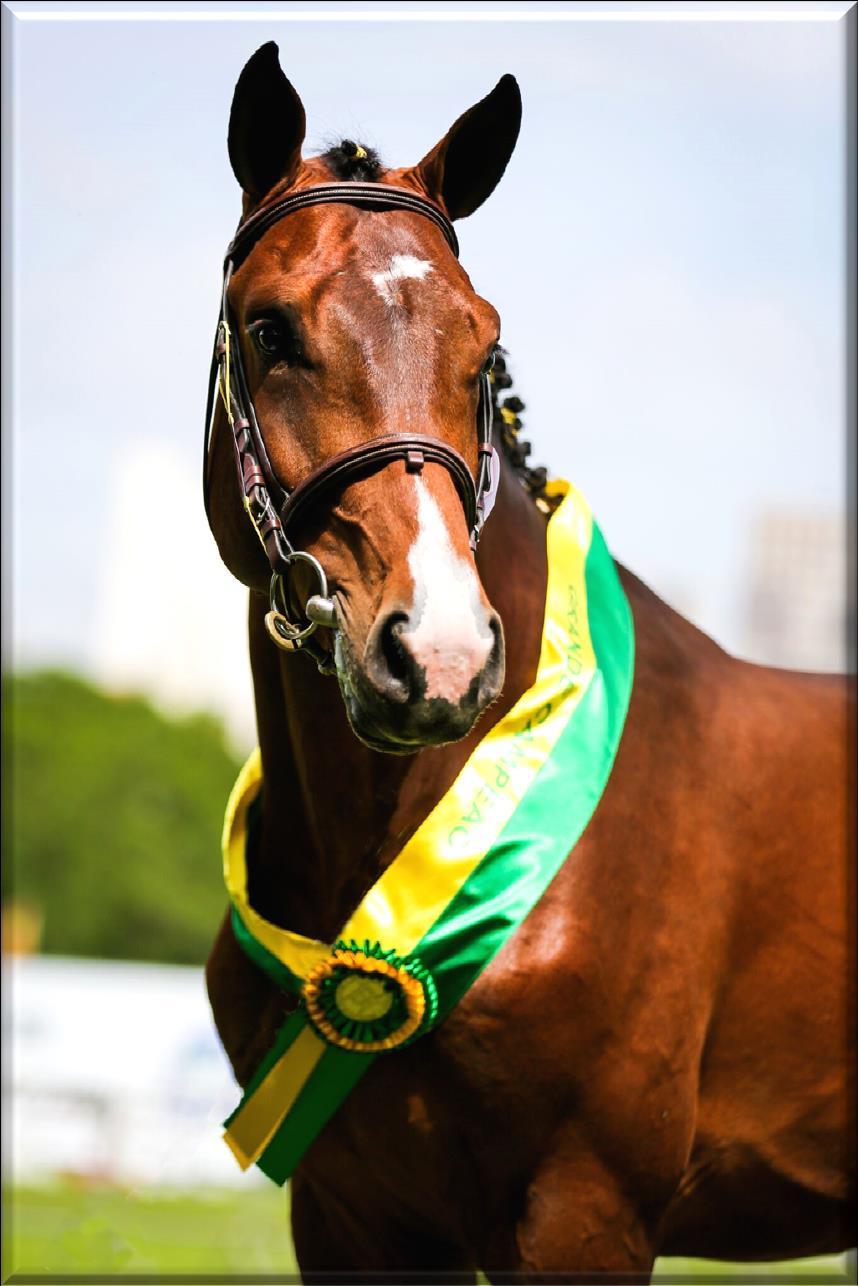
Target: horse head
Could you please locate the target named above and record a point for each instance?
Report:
(354, 324)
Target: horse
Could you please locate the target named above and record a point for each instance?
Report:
(658, 1062)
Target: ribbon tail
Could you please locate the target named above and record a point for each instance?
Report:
(251, 1127)
(333, 1079)
(292, 1095)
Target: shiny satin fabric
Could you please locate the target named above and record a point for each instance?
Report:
(478, 863)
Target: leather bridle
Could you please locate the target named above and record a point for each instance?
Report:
(271, 506)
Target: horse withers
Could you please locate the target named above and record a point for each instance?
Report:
(657, 1061)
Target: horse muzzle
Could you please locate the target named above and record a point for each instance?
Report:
(414, 689)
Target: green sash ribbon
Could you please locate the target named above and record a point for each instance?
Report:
(464, 881)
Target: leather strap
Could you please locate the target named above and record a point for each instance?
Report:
(382, 195)
(414, 448)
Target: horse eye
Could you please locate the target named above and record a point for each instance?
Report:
(488, 364)
(270, 338)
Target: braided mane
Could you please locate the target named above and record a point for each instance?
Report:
(506, 426)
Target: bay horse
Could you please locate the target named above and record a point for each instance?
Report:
(657, 1062)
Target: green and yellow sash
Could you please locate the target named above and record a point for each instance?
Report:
(466, 879)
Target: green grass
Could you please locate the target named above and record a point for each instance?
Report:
(61, 1229)
(66, 1229)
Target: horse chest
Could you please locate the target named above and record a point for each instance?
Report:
(533, 1049)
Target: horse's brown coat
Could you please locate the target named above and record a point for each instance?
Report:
(657, 1062)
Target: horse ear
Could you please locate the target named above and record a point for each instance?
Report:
(466, 166)
(267, 125)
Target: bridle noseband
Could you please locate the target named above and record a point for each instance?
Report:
(271, 506)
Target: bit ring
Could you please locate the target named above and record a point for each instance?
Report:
(282, 630)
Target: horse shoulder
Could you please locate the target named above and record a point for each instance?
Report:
(662, 995)
(754, 830)
(589, 1022)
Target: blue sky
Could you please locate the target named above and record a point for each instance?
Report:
(666, 253)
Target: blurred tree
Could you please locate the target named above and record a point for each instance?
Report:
(114, 820)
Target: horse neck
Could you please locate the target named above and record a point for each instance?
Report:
(335, 813)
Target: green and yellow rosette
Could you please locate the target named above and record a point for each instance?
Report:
(369, 1000)
(463, 882)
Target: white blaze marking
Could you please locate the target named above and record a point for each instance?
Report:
(446, 641)
(401, 267)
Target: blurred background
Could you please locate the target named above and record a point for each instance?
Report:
(667, 253)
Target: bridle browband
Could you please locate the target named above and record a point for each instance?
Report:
(272, 507)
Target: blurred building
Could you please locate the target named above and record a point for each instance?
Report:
(796, 612)
(171, 622)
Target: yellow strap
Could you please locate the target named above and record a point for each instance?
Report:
(223, 381)
(299, 953)
(255, 1124)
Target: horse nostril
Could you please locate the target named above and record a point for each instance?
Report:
(390, 666)
(396, 658)
(497, 631)
(492, 677)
